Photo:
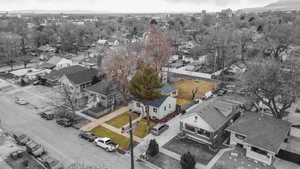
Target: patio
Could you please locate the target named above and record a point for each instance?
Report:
(201, 152)
(236, 159)
(165, 162)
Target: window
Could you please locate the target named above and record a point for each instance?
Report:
(155, 110)
(203, 132)
(190, 128)
(103, 98)
(259, 151)
(170, 106)
(138, 105)
(165, 108)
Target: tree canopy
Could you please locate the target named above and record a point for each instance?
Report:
(144, 83)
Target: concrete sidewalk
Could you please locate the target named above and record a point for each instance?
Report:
(103, 119)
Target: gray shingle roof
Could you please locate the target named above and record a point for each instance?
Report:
(103, 87)
(154, 103)
(262, 131)
(57, 74)
(83, 76)
(216, 114)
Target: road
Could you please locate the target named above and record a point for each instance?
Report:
(62, 143)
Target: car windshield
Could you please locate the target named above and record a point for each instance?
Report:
(35, 147)
(52, 162)
(108, 141)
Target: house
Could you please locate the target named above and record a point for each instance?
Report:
(260, 135)
(104, 94)
(55, 75)
(157, 109)
(57, 63)
(76, 82)
(206, 123)
(168, 90)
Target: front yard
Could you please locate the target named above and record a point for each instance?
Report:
(121, 120)
(101, 131)
(201, 152)
(186, 87)
(141, 131)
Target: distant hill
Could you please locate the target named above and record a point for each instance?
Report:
(281, 5)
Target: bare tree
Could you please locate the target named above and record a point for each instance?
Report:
(157, 46)
(119, 66)
(194, 92)
(273, 86)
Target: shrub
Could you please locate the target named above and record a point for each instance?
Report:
(187, 161)
(153, 148)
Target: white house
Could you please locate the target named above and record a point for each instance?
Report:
(262, 136)
(158, 108)
(57, 63)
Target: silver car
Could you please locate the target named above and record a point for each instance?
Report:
(158, 129)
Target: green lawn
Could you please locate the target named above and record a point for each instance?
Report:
(121, 120)
(141, 130)
(101, 131)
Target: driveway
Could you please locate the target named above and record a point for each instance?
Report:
(62, 143)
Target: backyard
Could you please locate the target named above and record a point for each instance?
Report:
(101, 131)
(164, 161)
(121, 120)
(186, 87)
(201, 152)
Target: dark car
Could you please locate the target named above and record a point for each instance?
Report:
(158, 129)
(47, 115)
(50, 163)
(64, 122)
(17, 154)
(21, 138)
(87, 136)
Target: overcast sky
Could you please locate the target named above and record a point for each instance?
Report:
(131, 5)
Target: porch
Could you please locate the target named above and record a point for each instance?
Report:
(259, 155)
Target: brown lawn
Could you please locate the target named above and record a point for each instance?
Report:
(186, 86)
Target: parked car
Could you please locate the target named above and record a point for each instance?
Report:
(64, 122)
(159, 128)
(106, 143)
(221, 92)
(20, 101)
(21, 138)
(87, 136)
(34, 148)
(36, 83)
(48, 115)
(17, 154)
(50, 163)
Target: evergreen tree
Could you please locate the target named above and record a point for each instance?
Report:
(144, 83)
(153, 148)
(95, 80)
(187, 161)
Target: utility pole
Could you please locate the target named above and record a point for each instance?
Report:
(131, 139)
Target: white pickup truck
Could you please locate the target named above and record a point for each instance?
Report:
(106, 144)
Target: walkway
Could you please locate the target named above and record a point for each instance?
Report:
(103, 119)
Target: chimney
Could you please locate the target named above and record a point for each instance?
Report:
(196, 119)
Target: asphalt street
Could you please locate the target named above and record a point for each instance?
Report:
(62, 143)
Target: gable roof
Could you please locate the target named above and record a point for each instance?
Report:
(83, 76)
(103, 87)
(57, 74)
(154, 103)
(54, 60)
(216, 114)
(166, 89)
(262, 131)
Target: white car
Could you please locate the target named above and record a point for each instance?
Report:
(106, 144)
(21, 101)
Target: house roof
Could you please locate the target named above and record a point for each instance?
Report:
(262, 131)
(54, 60)
(57, 74)
(216, 114)
(154, 103)
(47, 65)
(103, 87)
(166, 89)
(83, 76)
